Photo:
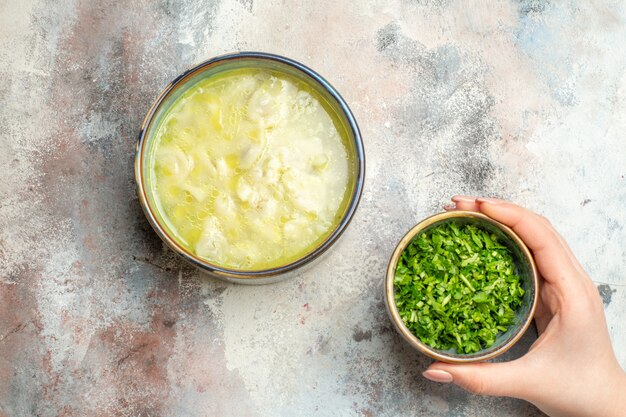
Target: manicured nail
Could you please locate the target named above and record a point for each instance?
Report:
(488, 200)
(438, 375)
(449, 207)
(463, 199)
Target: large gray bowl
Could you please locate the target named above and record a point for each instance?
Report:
(248, 60)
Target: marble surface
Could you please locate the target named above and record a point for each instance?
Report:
(519, 99)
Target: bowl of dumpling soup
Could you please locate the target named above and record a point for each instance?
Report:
(250, 166)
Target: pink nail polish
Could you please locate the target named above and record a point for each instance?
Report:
(463, 199)
(449, 207)
(488, 200)
(438, 375)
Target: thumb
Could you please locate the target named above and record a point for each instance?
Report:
(500, 379)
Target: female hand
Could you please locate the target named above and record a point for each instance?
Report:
(571, 369)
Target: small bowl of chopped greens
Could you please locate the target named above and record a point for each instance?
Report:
(461, 287)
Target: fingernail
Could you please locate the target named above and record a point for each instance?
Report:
(448, 207)
(488, 200)
(438, 375)
(463, 199)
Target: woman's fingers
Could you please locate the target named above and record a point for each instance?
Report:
(510, 379)
(571, 254)
(552, 258)
(463, 202)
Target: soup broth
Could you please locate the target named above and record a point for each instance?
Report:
(250, 169)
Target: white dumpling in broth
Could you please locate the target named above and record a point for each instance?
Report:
(174, 162)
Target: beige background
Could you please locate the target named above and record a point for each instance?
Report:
(523, 100)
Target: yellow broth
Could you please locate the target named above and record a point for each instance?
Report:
(250, 169)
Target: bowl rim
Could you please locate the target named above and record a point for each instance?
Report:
(261, 274)
(412, 339)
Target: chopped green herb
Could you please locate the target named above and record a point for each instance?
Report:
(456, 287)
